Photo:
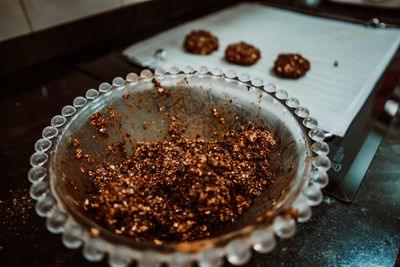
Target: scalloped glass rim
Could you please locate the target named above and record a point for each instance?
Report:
(309, 193)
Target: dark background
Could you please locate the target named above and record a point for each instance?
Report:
(42, 72)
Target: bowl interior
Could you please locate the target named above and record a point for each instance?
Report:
(189, 98)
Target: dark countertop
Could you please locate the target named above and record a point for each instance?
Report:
(363, 233)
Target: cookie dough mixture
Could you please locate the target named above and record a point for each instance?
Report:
(291, 66)
(200, 42)
(181, 188)
(242, 54)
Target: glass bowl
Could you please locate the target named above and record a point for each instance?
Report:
(59, 186)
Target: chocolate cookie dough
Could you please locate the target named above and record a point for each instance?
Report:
(200, 42)
(181, 189)
(242, 54)
(291, 66)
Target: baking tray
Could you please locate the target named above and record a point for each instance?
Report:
(334, 94)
